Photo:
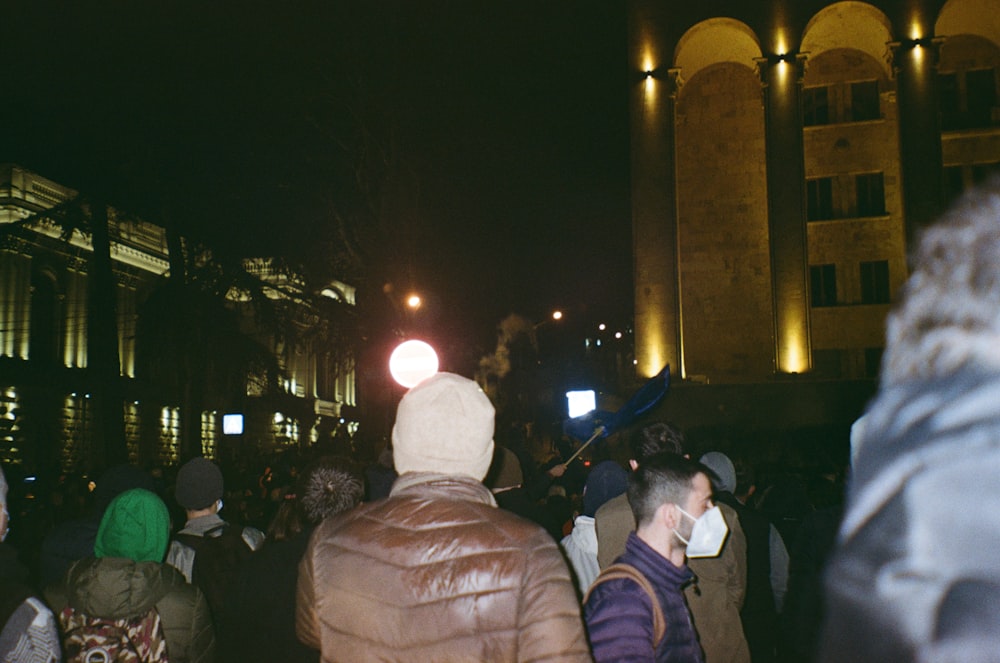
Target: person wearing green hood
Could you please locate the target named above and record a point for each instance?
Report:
(126, 578)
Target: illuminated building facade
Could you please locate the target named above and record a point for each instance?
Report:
(46, 412)
(784, 154)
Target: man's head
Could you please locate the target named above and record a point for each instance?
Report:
(948, 316)
(199, 485)
(669, 492)
(723, 475)
(444, 425)
(606, 481)
(656, 438)
(330, 485)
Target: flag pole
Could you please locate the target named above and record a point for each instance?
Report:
(597, 432)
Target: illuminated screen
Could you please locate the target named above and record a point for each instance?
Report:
(580, 402)
(232, 424)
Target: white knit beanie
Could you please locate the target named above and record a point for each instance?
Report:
(444, 425)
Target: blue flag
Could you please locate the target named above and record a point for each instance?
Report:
(642, 401)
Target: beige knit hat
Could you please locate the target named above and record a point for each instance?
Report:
(444, 425)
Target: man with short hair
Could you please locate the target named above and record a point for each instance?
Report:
(716, 597)
(669, 495)
(435, 571)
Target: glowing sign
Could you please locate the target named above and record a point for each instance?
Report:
(232, 424)
(580, 402)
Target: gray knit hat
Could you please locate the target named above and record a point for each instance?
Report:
(444, 425)
(199, 484)
(725, 474)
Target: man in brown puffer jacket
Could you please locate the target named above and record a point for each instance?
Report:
(436, 572)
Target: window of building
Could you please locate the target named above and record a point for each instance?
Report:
(981, 97)
(815, 106)
(875, 282)
(819, 198)
(823, 285)
(968, 99)
(870, 189)
(865, 101)
(948, 101)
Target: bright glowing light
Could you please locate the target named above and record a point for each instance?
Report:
(602, 326)
(412, 362)
(580, 402)
(414, 301)
(232, 424)
(618, 334)
(557, 315)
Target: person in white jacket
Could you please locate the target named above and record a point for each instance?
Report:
(606, 480)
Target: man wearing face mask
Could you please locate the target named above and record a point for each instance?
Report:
(716, 596)
(671, 498)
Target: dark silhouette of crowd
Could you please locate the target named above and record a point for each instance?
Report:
(57, 522)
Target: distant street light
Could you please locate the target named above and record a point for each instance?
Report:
(557, 315)
(414, 301)
(412, 362)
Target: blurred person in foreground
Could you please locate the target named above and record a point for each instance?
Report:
(436, 572)
(27, 627)
(915, 575)
(260, 624)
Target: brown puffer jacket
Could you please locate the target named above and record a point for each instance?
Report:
(435, 572)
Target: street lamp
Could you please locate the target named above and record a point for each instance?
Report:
(412, 362)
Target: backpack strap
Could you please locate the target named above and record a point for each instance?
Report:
(623, 571)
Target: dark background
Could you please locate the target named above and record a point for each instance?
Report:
(477, 151)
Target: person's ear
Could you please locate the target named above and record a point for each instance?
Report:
(669, 515)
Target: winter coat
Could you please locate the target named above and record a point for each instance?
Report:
(436, 572)
(619, 612)
(115, 587)
(916, 575)
(715, 599)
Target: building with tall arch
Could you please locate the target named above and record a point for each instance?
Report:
(784, 156)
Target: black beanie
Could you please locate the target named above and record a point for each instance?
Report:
(199, 484)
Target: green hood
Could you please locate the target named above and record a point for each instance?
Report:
(135, 526)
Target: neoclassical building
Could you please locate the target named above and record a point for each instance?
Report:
(784, 156)
(46, 411)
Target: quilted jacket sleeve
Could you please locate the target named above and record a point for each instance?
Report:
(550, 625)
(306, 627)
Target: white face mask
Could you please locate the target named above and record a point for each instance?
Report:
(708, 534)
(219, 507)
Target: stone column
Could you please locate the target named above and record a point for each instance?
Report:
(914, 63)
(654, 224)
(781, 77)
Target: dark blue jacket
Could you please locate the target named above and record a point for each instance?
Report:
(619, 613)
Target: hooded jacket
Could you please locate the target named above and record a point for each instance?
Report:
(436, 572)
(126, 578)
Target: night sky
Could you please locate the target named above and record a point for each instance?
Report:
(497, 132)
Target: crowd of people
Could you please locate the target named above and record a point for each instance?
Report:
(458, 544)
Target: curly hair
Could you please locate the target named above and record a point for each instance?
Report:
(948, 314)
(332, 485)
